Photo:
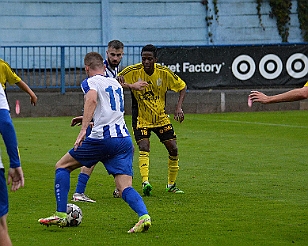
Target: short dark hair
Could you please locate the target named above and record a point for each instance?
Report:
(150, 48)
(94, 60)
(117, 44)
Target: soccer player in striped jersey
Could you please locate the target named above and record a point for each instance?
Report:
(109, 142)
(114, 55)
(148, 112)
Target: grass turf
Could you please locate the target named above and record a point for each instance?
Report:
(244, 177)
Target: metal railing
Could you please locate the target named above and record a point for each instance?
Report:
(56, 67)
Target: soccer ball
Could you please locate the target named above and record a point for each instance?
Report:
(116, 193)
(74, 215)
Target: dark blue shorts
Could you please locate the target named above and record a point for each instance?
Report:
(115, 153)
(4, 200)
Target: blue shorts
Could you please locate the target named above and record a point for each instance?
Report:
(9, 137)
(115, 153)
(4, 200)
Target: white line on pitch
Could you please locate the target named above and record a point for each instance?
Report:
(259, 123)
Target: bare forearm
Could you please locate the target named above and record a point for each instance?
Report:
(289, 96)
(181, 98)
(23, 86)
(89, 107)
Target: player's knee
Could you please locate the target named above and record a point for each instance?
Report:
(61, 164)
(143, 146)
(173, 151)
(3, 223)
(58, 165)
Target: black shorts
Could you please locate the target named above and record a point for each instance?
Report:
(164, 133)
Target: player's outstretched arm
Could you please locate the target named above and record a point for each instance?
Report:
(16, 178)
(33, 98)
(289, 96)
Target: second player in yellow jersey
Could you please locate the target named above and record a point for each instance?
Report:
(148, 112)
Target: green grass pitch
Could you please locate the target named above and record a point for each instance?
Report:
(244, 177)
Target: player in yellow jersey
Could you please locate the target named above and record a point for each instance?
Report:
(148, 112)
(8, 75)
(289, 96)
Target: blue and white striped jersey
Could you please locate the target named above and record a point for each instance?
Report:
(109, 113)
(109, 72)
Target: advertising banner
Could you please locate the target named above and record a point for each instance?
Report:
(238, 66)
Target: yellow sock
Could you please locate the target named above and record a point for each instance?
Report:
(144, 162)
(173, 169)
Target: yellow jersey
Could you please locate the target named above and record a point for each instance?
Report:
(152, 100)
(7, 74)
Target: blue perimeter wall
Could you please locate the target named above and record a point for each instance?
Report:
(138, 22)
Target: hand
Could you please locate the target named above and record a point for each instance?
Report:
(33, 100)
(179, 115)
(121, 80)
(81, 136)
(257, 96)
(139, 85)
(16, 178)
(77, 120)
